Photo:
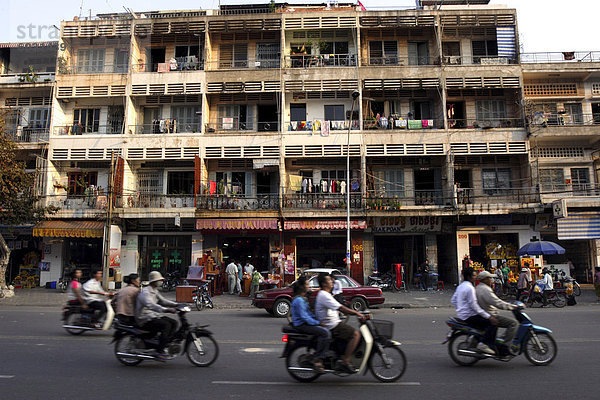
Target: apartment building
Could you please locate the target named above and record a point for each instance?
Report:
(224, 133)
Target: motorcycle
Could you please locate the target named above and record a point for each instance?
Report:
(386, 282)
(564, 281)
(376, 352)
(133, 345)
(201, 298)
(78, 320)
(172, 280)
(534, 341)
(556, 297)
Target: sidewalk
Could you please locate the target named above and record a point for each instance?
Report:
(41, 297)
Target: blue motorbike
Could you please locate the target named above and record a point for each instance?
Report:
(534, 341)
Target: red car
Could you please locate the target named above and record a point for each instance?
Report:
(277, 301)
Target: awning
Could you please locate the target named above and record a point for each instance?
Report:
(80, 229)
(323, 225)
(237, 224)
(13, 45)
(582, 225)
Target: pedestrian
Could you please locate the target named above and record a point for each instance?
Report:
(337, 291)
(571, 268)
(425, 275)
(522, 283)
(249, 268)
(256, 281)
(231, 272)
(597, 283)
(240, 276)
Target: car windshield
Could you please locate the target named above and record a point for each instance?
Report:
(346, 282)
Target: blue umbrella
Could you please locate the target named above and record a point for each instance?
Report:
(541, 247)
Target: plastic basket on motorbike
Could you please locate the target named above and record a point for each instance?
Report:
(384, 329)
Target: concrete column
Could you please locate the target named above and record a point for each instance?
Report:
(431, 251)
(368, 253)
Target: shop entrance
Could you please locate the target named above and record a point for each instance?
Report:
(578, 251)
(318, 252)
(406, 250)
(253, 249)
(489, 250)
(85, 254)
(167, 254)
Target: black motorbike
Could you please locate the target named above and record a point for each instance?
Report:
(134, 345)
(201, 298)
(172, 280)
(386, 281)
(77, 320)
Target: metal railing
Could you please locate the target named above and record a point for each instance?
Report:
(569, 190)
(83, 202)
(30, 135)
(94, 69)
(243, 64)
(156, 200)
(234, 124)
(322, 201)
(397, 61)
(568, 56)
(400, 123)
(172, 127)
(232, 202)
(320, 60)
(396, 202)
(320, 126)
(96, 129)
(478, 60)
(180, 64)
(485, 123)
(40, 77)
(555, 119)
(495, 195)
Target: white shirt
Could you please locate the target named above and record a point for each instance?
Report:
(465, 302)
(326, 308)
(231, 269)
(249, 269)
(549, 284)
(337, 287)
(92, 286)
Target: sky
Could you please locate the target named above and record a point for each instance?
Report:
(544, 25)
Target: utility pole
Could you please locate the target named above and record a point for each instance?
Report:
(355, 95)
(107, 227)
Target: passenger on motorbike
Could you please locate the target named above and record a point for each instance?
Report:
(93, 294)
(546, 284)
(488, 300)
(327, 308)
(126, 300)
(304, 321)
(468, 310)
(149, 307)
(74, 295)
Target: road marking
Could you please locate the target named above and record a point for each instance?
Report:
(320, 384)
(6, 376)
(258, 350)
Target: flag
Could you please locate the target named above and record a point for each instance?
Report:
(362, 8)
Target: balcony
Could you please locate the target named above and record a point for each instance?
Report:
(320, 61)
(80, 206)
(162, 129)
(94, 69)
(397, 61)
(26, 78)
(321, 201)
(238, 203)
(96, 129)
(486, 123)
(498, 196)
(391, 123)
(560, 57)
(155, 200)
(180, 64)
(243, 64)
(320, 126)
(564, 119)
(235, 126)
(30, 135)
(552, 191)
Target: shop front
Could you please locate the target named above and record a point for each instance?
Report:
(25, 255)
(168, 254)
(322, 244)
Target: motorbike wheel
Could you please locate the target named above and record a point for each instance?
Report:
(63, 287)
(301, 357)
(460, 342)
(210, 304)
(397, 364)
(576, 290)
(542, 354)
(560, 300)
(199, 303)
(74, 319)
(126, 344)
(203, 351)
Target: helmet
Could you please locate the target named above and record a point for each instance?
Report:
(155, 276)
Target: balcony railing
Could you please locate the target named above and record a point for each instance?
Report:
(224, 202)
(159, 128)
(400, 123)
(243, 64)
(321, 60)
(496, 195)
(394, 61)
(568, 56)
(156, 200)
(235, 125)
(180, 64)
(41, 77)
(322, 201)
(485, 123)
(91, 201)
(30, 135)
(96, 129)
(554, 119)
(320, 126)
(570, 190)
(95, 69)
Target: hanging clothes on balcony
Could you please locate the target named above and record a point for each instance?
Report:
(212, 187)
(304, 184)
(323, 186)
(295, 183)
(310, 185)
(325, 128)
(343, 187)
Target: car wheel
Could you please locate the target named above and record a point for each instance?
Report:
(358, 304)
(281, 308)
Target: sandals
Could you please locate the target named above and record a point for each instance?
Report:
(318, 366)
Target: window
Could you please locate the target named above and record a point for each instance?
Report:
(552, 180)
(233, 55)
(180, 182)
(150, 182)
(90, 61)
(580, 180)
(12, 120)
(236, 117)
(298, 112)
(188, 118)
(334, 48)
(389, 183)
(490, 110)
(121, 61)
(346, 283)
(86, 120)
(484, 49)
(39, 119)
(334, 113)
(187, 51)
(451, 52)
(496, 181)
(233, 182)
(383, 52)
(267, 55)
(418, 53)
(80, 181)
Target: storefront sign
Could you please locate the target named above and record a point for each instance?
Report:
(545, 223)
(406, 224)
(323, 225)
(237, 224)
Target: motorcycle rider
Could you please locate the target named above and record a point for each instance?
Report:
(126, 299)
(488, 300)
(547, 284)
(467, 309)
(149, 307)
(74, 295)
(93, 294)
(326, 308)
(304, 321)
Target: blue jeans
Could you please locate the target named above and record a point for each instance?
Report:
(323, 337)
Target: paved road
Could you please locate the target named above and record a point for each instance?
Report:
(39, 360)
